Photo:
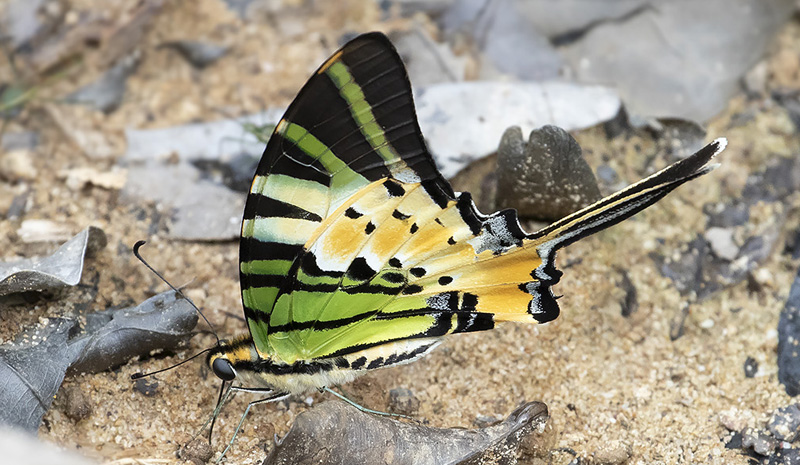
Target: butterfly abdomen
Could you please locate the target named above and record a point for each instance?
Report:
(255, 371)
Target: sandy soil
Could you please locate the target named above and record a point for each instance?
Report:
(611, 383)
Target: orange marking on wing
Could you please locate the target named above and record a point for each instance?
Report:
(330, 61)
(508, 302)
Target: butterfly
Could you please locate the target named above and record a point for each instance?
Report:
(356, 254)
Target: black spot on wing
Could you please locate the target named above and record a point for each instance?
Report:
(418, 272)
(412, 289)
(394, 188)
(468, 322)
(359, 270)
(445, 280)
(395, 262)
(352, 213)
(310, 267)
(369, 228)
(394, 277)
(400, 215)
(469, 302)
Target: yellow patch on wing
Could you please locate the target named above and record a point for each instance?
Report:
(341, 238)
(432, 238)
(393, 233)
(277, 229)
(308, 195)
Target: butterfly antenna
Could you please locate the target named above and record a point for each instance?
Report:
(136, 253)
(142, 375)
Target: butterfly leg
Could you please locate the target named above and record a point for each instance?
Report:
(225, 394)
(368, 410)
(271, 398)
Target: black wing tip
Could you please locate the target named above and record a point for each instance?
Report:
(698, 163)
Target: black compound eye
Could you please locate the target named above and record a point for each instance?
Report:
(223, 369)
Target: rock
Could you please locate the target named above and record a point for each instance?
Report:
(758, 441)
(78, 178)
(43, 231)
(403, 401)
(548, 179)
(721, 242)
(338, 433)
(787, 456)
(678, 137)
(622, 51)
(789, 341)
(22, 21)
(784, 423)
(427, 61)
(463, 121)
(17, 165)
(106, 93)
(77, 403)
(199, 54)
(631, 301)
(143, 386)
(607, 174)
(196, 451)
(750, 367)
(27, 140)
(500, 32)
(735, 419)
(612, 453)
(728, 215)
(755, 80)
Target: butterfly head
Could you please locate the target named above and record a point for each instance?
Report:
(229, 358)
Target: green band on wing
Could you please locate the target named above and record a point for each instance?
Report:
(361, 111)
(269, 267)
(343, 178)
(259, 298)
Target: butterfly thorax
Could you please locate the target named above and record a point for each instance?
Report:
(252, 369)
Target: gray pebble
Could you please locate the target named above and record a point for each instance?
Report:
(545, 179)
(403, 401)
(722, 243)
(785, 422)
(750, 367)
(77, 403)
(758, 441)
(199, 54)
(148, 388)
(197, 451)
(607, 174)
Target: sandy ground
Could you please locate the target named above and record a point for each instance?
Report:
(611, 383)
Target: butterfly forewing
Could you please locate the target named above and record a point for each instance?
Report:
(352, 123)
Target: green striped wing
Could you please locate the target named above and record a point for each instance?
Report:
(352, 124)
(352, 239)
